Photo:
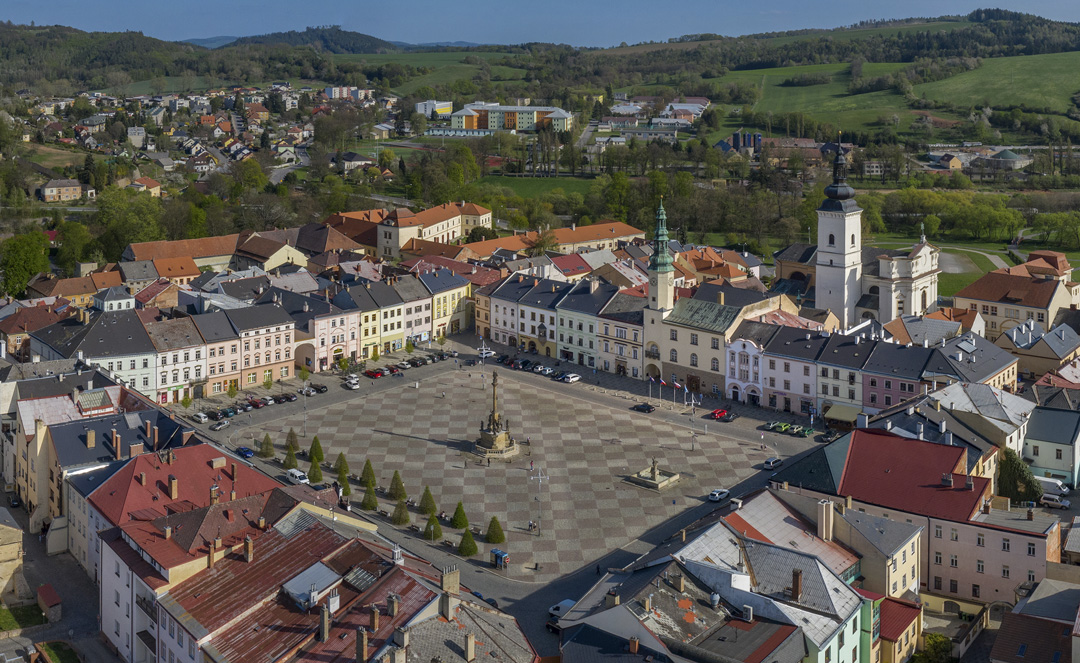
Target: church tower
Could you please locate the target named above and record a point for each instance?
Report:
(661, 272)
(839, 248)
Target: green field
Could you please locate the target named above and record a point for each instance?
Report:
(55, 157)
(532, 187)
(1040, 81)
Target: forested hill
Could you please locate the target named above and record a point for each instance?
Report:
(331, 39)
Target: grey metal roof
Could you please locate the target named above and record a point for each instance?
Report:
(245, 289)
(113, 293)
(892, 359)
(758, 333)
(110, 333)
(1062, 340)
(706, 316)
(975, 359)
(625, 308)
(515, 287)
(846, 351)
(138, 270)
(214, 326)
(87, 482)
(1053, 599)
(800, 253)
(258, 317)
(546, 294)
(732, 296)
(70, 438)
(383, 294)
(793, 343)
(409, 288)
(358, 297)
(319, 575)
(442, 280)
(887, 536)
(1054, 425)
(588, 296)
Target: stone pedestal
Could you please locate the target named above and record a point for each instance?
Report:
(654, 477)
(495, 439)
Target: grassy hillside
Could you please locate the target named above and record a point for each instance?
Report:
(1040, 81)
(448, 66)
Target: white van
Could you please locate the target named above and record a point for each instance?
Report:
(296, 476)
(1053, 486)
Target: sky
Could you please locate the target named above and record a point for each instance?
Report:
(576, 22)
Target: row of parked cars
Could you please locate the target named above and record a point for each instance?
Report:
(794, 430)
(404, 365)
(537, 367)
(221, 417)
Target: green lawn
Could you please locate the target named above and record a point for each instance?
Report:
(531, 187)
(59, 652)
(21, 617)
(1048, 82)
(950, 284)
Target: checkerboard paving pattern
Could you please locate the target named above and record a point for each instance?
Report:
(585, 507)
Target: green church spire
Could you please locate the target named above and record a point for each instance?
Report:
(661, 258)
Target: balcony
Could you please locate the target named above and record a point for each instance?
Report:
(147, 606)
(652, 354)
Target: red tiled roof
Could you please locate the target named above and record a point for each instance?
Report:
(103, 280)
(151, 291)
(148, 182)
(48, 595)
(597, 231)
(571, 265)
(896, 618)
(30, 318)
(1001, 286)
(746, 529)
(478, 275)
(1039, 638)
(515, 243)
(123, 493)
(890, 471)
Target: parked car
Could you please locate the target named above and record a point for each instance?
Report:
(199, 418)
(219, 425)
(525, 364)
(719, 495)
(14, 501)
(269, 400)
(538, 368)
(502, 358)
(485, 353)
(281, 398)
(492, 602)
(351, 385)
(404, 365)
(729, 417)
(243, 406)
(552, 626)
(392, 370)
(305, 391)
(571, 378)
(296, 476)
(773, 463)
(561, 608)
(256, 403)
(717, 414)
(548, 370)
(1054, 501)
(470, 362)
(373, 373)
(415, 362)
(352, 376)
(771, 425)
(215, 415)
(831, 436)
(320, 388)
(245, 452)
(782, 427)
(643, 407)
(796, 429)
(559, 375)
(291, 397)
(808, 432)
(229, 411)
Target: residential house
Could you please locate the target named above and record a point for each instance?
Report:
(537, 315)
(578, 313)
(116, 298)
(496, 117)
(789, 368)
(504, 308)
(326, 332)
(265, 252)
(1050, 446)
(620, 335)
(79, 291)
(160, 294)
(267, 334)
(61, 190)
(418, 308)
(181, 360)
(222, 352)
(994, 413)
(147, 185)
(972, 550)
(1039, 351)
(746, 378)
(137, 274)
(1036, 290)
(443, 224)
(449, 301)
(15, 329)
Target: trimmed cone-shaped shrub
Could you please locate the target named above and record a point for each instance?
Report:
(367, 477)
(341, 464)
(266, 449)
(290, 459)
(370, 501)
(427, 503)
(460, 520)
(314, 475)
(397, 488)
(495, 532)
(292, 441)
(343, 481)
(401, 514)
(433, 530)
(467, 547)
(315, 452)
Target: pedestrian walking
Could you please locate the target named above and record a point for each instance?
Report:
(489, 462)
(444, 394)
(597, 569)
(530, 465)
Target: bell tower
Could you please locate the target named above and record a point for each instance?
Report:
(839, 247)
(661, 271)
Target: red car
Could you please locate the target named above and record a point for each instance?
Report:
(373, 373)
(392, 370)
(717, 414)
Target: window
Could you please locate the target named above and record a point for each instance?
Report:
(873, 382)
(693, 339)
(1031, 576)
(937, 558)
(1022, 650)
(937, 531)
(832, 239)
(693, 359)
(715, 343)
(937, 582)
(1031, 550)
(1057, 454)
(953, 536)
(953, 587)
(979, 567)
(787, 367)
(980, 540)
(715, 364)
(1005, 571)
(674, 334)
(806, 371)
(953, 561)
(975, 591)
(1005, 546)
(1035, 450)
(674, 355)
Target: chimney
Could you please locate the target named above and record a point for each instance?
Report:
(262, 522)
(361, 645)
(136, 449)
(448, 603)
(142, 478)
(1031, 514)
(796, 584)
(174, 487)
(680, 583)
(155, 438)
(847, 502)
(324, 624)
(213, 495)
(986, 507)
(90, 439)
(937, 405)
(451, 580)
(249, 549)
(168, 532)
(393, 602)
(470, 648)
(398, 655)
(148, 429)
(920, 430)
(720, 298)
(217, 543)
(862, 420)
(612, 599)
(401, 637)
(232, 495)
(374, 619)
(946, 479)
(948, 438)
(825, 520)
(634, 644)
(646, 603)
(969, 483)
(116, 444)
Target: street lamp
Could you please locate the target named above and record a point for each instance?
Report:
(539, 478)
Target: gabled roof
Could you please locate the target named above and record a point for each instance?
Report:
(174, 334)
(30, 318)
(1022, 639)
(442, 280)
(704, 315)
(205, 247)
(181, 266)
(258, 317)
(1001, 287)
(111, 333)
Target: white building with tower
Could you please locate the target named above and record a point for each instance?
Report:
(853, 281)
